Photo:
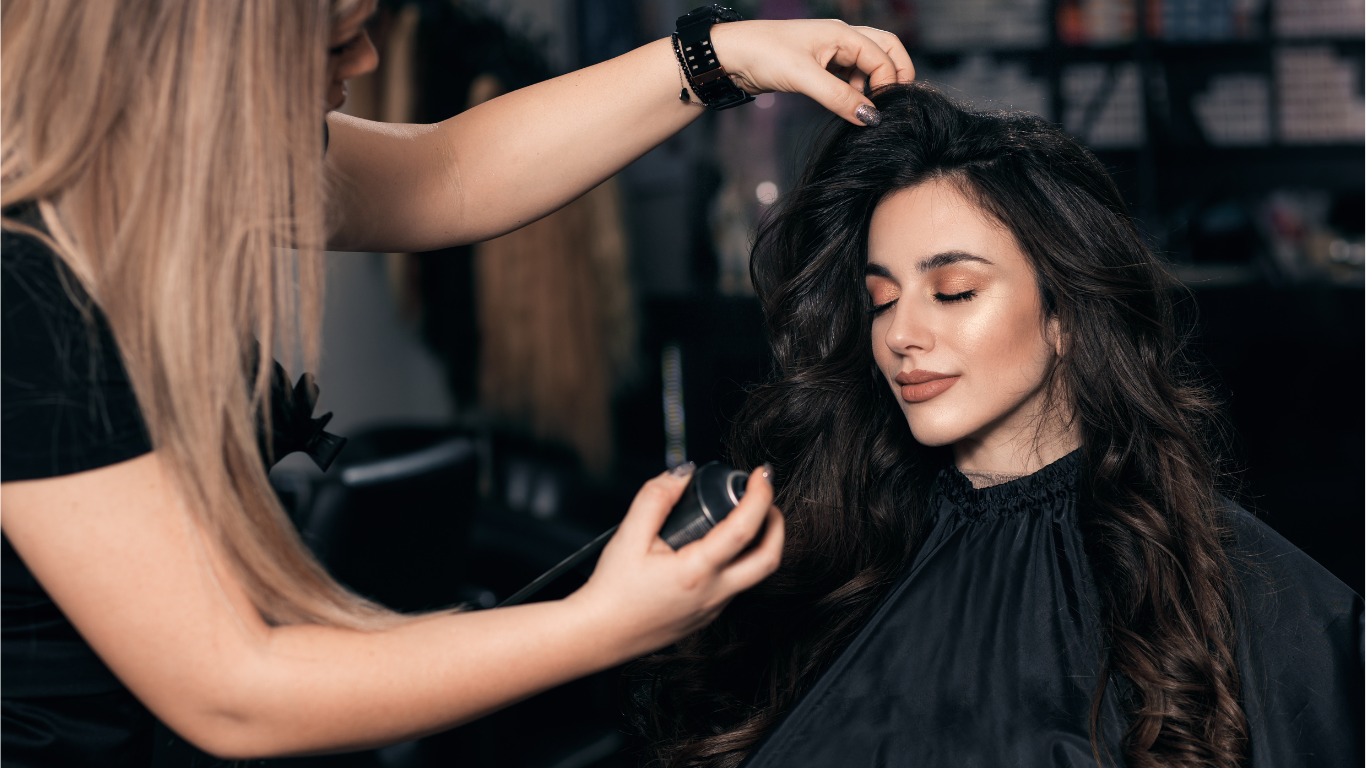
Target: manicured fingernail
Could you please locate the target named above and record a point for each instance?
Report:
(683, 470)
(869, 115)
(766, 472)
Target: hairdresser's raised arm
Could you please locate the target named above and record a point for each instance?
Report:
(516, 158)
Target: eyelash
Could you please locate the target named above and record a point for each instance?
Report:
(949, 298)
(877, 310)
(338, 50)
(942, 298)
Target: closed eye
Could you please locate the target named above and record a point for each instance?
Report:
(878, 309)
(338, 50)
(949, 298)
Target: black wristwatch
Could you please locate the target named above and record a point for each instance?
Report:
(705, 74)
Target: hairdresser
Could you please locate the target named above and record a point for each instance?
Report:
(168, 192)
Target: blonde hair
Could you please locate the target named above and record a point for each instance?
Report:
(175, 151)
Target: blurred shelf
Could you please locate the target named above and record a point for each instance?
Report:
(1249, 46)
(1290, 153)
(1217, 275)
(1184, 172)
(1137, 49)
(1148, 106)
(1276, 153)
(1198, 276)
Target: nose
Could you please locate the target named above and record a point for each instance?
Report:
(908, 332)
(366, 58)
(361, 60)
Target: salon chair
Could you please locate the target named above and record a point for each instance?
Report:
(391, 519)
(400, 518)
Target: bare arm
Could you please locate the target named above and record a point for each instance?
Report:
(520, 156)
(119, 553)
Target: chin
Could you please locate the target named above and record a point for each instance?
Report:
(936, 429)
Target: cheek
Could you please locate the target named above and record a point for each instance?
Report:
(334, 78)
(1004, 344)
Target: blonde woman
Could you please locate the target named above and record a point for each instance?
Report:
(168, 193)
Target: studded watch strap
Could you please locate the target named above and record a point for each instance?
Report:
(705, 73)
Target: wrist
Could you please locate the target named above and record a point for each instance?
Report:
(687, 94)
(700, 59)
(727, 40)
(609, 637)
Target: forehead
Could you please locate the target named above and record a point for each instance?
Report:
(935, 217)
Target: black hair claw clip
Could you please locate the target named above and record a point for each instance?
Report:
(293, 427)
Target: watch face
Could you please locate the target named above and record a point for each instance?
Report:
(714, 13)
(696, 15)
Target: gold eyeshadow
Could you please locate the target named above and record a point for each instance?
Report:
(956, 280)
(954, 286)
(881, 290)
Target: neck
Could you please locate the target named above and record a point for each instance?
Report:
(1014, 457)
(980, 479)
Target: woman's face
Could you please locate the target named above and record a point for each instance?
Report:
(959, 330)
(350, 54)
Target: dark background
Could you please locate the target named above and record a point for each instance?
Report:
(1281, 331)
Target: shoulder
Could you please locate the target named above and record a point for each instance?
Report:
(65, 398)
(42, 317)
(1301, 653)
(42, 303)
(1269, 567)
(1301, 624)
(38, 290)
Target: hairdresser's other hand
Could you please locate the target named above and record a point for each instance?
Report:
(647, 595)
(825, 59)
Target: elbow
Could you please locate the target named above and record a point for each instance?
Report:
(226, 736)
(228, 722)
(260, 732)
(235, 740)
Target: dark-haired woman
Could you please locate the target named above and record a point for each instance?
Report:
(1006, 543)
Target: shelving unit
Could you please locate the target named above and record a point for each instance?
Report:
(1196, 107)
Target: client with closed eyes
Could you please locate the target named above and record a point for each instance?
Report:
(1006, 540)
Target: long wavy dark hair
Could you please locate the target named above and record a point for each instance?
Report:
(856, 486)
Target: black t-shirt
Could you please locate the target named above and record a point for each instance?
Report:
(67, 407)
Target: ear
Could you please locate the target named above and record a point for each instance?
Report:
(1055, 336)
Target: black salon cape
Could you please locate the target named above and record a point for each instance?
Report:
(986, 653)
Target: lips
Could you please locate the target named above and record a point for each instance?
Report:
(918, 386)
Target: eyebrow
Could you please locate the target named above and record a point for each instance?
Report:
(948, 257)
(928, 264)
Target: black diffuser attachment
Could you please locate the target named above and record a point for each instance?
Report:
(714, 491)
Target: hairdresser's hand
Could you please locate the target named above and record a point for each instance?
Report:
(646, 595)
(825, 59)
